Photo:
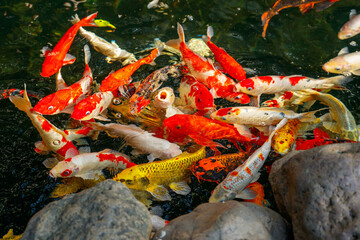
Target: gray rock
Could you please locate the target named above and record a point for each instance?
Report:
(106, 211)
(229, 220)
(318, 190)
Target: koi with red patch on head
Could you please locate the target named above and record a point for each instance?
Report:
(90, 165)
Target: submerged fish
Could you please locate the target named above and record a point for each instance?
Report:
(157, 177)
(89, 165)
(304, 6)
(350, 28)
(237, 180)
(345, 63)
(285, 138)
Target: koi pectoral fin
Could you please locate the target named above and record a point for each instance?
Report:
(159, 192)
(181, 187)
(247, 193)
(205, 141)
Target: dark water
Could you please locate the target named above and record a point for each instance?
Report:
(295, 44)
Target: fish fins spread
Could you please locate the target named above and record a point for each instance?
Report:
(323, 6)
(206, 142)
(247, 193)
(159, 192)
(91, 175)
(174, 43)
(22, 103)
(243, 130)
(181, 187)
(331, 126)
(50, 162)
(310, 116)
(304, 8)
(69, 59)
(356, 72)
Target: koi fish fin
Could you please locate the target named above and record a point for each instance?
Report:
(88, 21)
(181, 33)
(356, 72)
(255, 101)
(174, 43)
(68, 109)
(247, 193)
(181, 187)
(22, 103)
(71, 152)
(87, 54)
(41, 148)
(352, 13)
(323, 6)
(343, 51)
(256, 177)
(153, 3)
(94, 175)
(159, 192)
(304, 8)
(45, 51)
(69, 59)
(318, 133)
(205, 141)
(265, 19)
(243, 130)
(60, 82)
(337, 81)
(210, 34)
(331, 126)
(308, 105)
(84, 149)
(75, 19)
(310, 116)
(171, 111)
(50, 162)
(249, 71)
(101, 118)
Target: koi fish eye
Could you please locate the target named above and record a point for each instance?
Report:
(249, 88)
(50, 107)
(87, 113)
(116, 101)
(56, 142)
(122, 180)
(337, 68)
(129, 182)
(178, 126)
(66, 173)
(118, 115)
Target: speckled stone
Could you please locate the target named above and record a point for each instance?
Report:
(318, 190)
(229, 220)
(106, 211)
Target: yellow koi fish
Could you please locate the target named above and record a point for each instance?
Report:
(286, 136)
(156, 177)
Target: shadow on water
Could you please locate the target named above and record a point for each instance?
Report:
(295, 44)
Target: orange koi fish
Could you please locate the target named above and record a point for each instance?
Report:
(228, 63)
(304, 6)
(122, 76)
(64, 99)
(55, 59)
(202, 130)
(141, 98)
(54, 139)
(92, 106)
(6, 93)
(259, 199)
(204, 71)
(236, 181)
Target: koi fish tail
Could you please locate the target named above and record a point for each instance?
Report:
(181, 34)
(309, 116)
(265, 18)
(303, 96)
(152, 56)
(337, 82)
(22, 103)
(210, 34)
(304, 8)
(88, 21)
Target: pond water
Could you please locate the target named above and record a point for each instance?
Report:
(294, 44)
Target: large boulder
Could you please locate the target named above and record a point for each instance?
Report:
(106, 211)
(318, 190)
(229, 220)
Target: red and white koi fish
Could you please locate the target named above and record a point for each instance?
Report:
(53, 138)
(89, 165)
(64, 99)
(141, 140)
(93, 106)
(122, 76)
(141, 98)
(228, 63)
(236, 181)
(204, 71)
(352, 27)
(256, 86)
(194, 95)
(55, 59)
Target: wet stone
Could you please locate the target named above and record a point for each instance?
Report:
(318, 190)
(106, 211)
(229, 220)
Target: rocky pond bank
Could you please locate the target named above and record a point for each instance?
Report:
(317, 193)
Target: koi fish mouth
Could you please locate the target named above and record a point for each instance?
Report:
(51, 175)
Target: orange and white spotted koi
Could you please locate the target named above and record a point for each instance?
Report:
(53, 138)
(236, 181)
(203, 70)
(89, 165)
(228, 63)
(64, 99)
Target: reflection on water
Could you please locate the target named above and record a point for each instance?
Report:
(295, 44)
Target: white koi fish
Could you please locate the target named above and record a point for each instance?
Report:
(164, 99)
(236, 181)
(345, 63)
(89, 165)
(350, 28)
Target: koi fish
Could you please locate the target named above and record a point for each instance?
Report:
(215, 169)
(281, 100)
(111, 50)
(350, 28)
(203, 70)
(194, 95)
(164, 99)
(64, 99)
(285, 138)
(255, 116)
(93, 106)
(201, 130)
(256, 86)
(6, 93)
(344, 124)
(259, 199)
(156, 177)
(141, 98)
(141, 140)
(228, 63)
(320, 138)
(304, 6)
(236, 181)
(345, 63)
(54, 139)
(89, 165)
(122, 76)
(55, 59)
